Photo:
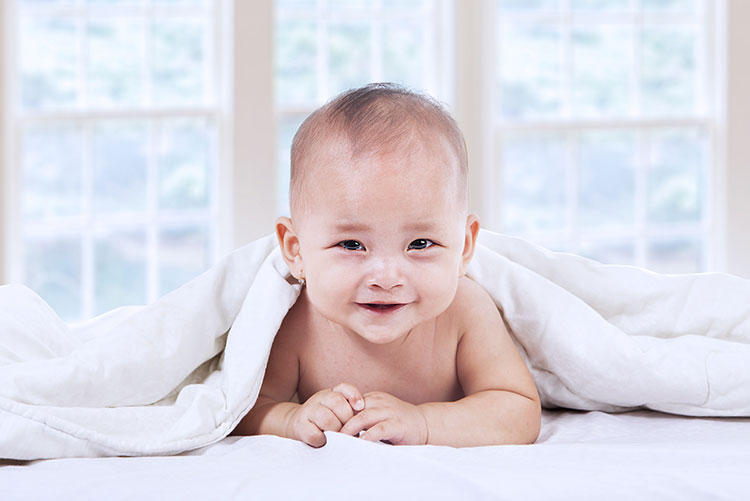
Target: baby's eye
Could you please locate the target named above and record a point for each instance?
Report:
(352, 245)
(421, 243)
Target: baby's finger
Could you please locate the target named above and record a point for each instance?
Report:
(352, 395)
(339, 405)
(311, 435)
(363, 421)
(325, 419)
(381, 431)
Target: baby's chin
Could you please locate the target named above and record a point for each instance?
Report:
(377, 335)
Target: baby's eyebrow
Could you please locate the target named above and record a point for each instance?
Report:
(349, 227)
(422, 226)
(345, 227)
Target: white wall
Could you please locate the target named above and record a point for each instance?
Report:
(253, 132)
(4, 167)
(737, 108)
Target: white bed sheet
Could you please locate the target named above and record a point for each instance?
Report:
(579, 455)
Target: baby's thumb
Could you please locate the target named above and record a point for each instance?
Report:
(352, 395)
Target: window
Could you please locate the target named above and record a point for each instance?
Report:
(143, 138)
(324, 47)
(116, 148)
(604, 128)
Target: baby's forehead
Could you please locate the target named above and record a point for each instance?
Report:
(416, 152)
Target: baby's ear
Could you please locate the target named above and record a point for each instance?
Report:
(289, 243)
(470, 241)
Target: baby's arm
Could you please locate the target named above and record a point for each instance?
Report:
(274, 414)
(501, 404)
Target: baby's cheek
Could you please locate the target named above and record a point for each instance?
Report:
(447, 288)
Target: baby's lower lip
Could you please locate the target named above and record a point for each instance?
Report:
(382, 309)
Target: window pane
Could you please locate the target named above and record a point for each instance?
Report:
(404, 5)
(607, 179)
(602, 65)
(339, 5)
(676, 176)
(107, 3)
(52, 177)
(183, 255)
(115, 62)
(47, 2)
(120, 270)
(609, 252)
(181, 3)
(184, 165)
(179, 63)
(530, 71)
(48, 62)
(600, 5)
(296, 53)
(404, 54)
(534, 183)
(669, 5)
(53, 270)
(669, 66)
(349, 56)
(295, 4)
(528, 5)
(675, 256)
(287, 128)
(120, 167)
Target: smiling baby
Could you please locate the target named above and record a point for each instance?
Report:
(389, 340)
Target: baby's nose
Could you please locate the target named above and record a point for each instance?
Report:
(385, 274)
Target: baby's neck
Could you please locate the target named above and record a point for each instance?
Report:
(393, 351)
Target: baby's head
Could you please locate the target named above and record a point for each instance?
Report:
(378, 200)
(377, 120)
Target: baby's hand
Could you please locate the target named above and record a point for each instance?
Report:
(385, 417)
(326, 410)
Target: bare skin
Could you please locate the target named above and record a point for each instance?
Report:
(405, 388)
(389, 339)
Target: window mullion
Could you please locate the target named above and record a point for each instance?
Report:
(642, 161)
(566, 54)
(321, 59)
(152, 204)
(573, 168)
(88, 221)
(377, 28)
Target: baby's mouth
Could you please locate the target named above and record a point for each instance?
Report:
(382, 307)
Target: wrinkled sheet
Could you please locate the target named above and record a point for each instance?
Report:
(180, 373)
(592, 455)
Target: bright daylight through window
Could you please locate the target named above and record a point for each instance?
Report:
(602, 126)
(116, 128)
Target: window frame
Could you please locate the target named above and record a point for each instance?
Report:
(728, 247)
(14, 122)
(641, 232)
(441, 85)
(248, 123)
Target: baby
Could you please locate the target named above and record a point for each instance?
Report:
(388, 340)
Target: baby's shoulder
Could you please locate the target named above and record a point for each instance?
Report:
(295, 324)
(472, 303)
(471, 297)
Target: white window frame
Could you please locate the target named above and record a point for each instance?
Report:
(248, 205)
(726, 125)
(14, 122)
(440, 52)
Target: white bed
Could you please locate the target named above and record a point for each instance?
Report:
(579, 455)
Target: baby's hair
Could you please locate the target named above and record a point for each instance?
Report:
(376, 119)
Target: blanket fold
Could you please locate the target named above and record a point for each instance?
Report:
(181, 372)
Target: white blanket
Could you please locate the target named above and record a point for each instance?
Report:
(579, 455)
(180, 373)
